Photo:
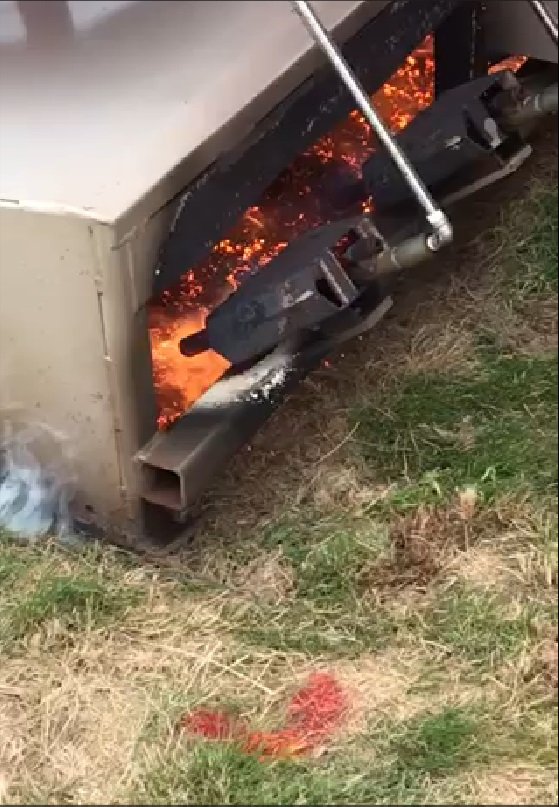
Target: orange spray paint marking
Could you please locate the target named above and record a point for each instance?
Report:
(280, 744)
(313, 713)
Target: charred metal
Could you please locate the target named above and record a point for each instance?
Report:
(280, 322)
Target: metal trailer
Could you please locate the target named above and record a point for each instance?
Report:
(132, 138)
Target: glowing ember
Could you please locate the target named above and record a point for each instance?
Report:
(314, 713)
(303, 196)
(296, 201)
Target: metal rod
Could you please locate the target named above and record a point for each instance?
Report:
(435, 216)
(546, 18)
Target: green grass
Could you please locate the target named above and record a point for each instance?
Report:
(435, 745)
(12, 565)
(495, 429)
(472, 623)
(531, 260)
(76, 601)
(392, 762)
(302, 627)
(392, 765)
(328, 554)
(34, 592)
(222, 774)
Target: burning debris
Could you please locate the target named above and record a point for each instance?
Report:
(36, 482)
(316, 189)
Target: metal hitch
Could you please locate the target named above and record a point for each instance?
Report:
(479, 123)
(178, 463)
(300, 290)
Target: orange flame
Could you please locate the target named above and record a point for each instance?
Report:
(292, 204)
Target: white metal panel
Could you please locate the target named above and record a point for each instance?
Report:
(95, 112)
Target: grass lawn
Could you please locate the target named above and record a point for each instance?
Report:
(395, 525)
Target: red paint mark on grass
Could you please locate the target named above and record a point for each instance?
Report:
(211, 725)
(313, 713)
(283, 744)
(318, 707)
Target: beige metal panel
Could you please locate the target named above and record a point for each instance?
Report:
(125, 272)
(125, 286)
(53, 360)
(122, 100)
(510, 26)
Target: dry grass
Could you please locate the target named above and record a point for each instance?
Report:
(505, 784)
(433, 606)
(77, 722)
(516, 785)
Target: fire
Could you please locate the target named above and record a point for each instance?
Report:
(196, 374)
(300, 198)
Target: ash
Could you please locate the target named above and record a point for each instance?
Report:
(266, 389)
(257, 384)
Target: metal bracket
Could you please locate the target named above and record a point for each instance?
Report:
(177, 464)
(300, 289)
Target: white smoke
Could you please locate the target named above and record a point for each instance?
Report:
(37, 479)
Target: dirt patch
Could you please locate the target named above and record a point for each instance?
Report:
(341, 487)
(425, 542)
(500, 564)
(482, 567)
(547, 657)
(539, 664)
(418, 544)
(269, 578)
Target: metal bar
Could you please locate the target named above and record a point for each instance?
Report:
(546, 18)
(457, 51)
(442, 228)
